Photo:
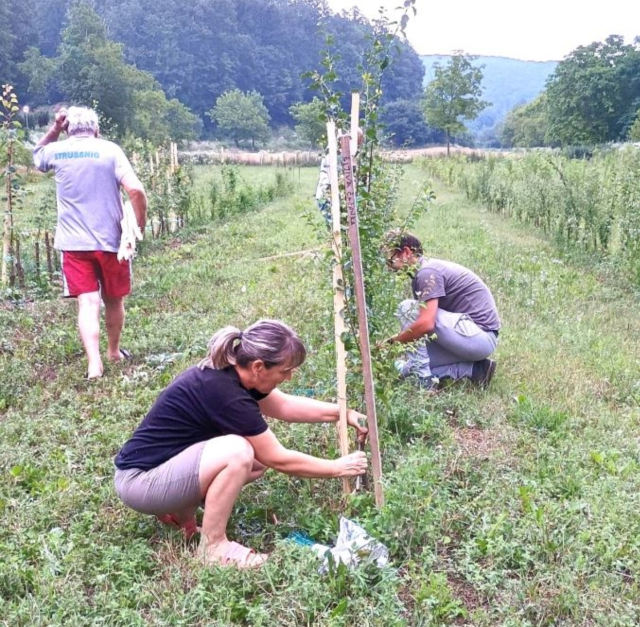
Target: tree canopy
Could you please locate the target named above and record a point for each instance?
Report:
(241, 116)
(454, 95)
(91, 70)
(405, 125)
(592, 97)
(193, 51)
(527, 125)
(310, 121)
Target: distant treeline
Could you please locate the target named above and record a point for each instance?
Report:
(592, 97)
(164, 63)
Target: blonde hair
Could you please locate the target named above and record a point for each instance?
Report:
(269, 341)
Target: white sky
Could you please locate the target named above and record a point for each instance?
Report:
(541, 30)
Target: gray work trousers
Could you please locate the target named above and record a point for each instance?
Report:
(458, 343)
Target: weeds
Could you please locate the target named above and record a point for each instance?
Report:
(541, 528)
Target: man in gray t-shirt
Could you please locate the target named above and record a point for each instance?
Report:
(456, 308)
(89, 174)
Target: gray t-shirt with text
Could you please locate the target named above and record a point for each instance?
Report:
(88, 171)
(458, 290)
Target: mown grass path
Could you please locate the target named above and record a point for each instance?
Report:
(515, 506)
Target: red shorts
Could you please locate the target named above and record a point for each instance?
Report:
(85, 271)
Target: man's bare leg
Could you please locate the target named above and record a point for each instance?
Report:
(114, 322)
(89, 327)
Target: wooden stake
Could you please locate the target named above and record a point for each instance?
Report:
(338, 298)
(363, 327)
(18, 262)
(37, 255)
(47, 244)
(355, 125)
(5, 272)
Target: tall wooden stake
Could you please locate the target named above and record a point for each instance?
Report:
(365, 349)
(355, 126)
(338, 297)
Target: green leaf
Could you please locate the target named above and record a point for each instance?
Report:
(341, 608)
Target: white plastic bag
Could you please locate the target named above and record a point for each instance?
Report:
(354, 546)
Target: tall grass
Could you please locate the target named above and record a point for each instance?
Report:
(588, 204)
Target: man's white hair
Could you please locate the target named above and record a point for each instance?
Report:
(82, 120)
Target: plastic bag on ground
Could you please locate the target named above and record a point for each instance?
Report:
(354, 546)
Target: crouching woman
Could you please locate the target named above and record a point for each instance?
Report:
(205, 437)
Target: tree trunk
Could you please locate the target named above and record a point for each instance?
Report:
(448, 145)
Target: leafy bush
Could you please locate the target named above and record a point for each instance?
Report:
(591, 205)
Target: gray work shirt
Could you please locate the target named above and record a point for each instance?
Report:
(458, 290)
(88, 171)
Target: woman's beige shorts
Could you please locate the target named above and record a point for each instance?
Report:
(168, 488)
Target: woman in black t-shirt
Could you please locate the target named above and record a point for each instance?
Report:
(205, 437)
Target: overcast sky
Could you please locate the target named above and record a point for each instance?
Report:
(544, 30)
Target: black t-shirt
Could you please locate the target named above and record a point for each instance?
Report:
(197, 406)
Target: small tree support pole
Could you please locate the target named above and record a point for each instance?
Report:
(355, 125)
(363, 328)
(7, 253)
(338, 298)
(47, 245)
(37, 254)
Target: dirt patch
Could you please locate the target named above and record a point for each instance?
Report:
(47, 373)
(466, 593)
(474, 442)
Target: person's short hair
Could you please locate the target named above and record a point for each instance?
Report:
(82, 120)
(397, 240)
(270, 341)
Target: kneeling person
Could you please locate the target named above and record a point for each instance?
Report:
(456, 306)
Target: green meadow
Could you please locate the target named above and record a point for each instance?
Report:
(515, 506)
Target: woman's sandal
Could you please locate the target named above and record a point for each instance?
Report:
(239, 556)
(189, 528)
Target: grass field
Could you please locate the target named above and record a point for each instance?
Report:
(516, 506)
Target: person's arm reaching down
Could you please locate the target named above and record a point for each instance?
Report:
(424, 324)
(271, 453)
